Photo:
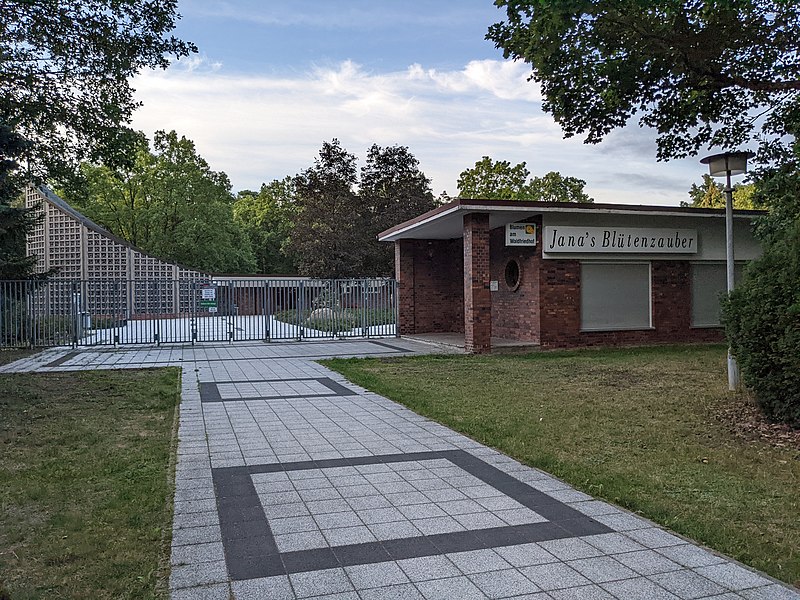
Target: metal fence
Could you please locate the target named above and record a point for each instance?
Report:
(155, 311)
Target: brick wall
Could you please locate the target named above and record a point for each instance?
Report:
(477, 297)
(431, 294)
(515, 313)
(560, 321)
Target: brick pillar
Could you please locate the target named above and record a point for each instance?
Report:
(404, 273)
(477, 297)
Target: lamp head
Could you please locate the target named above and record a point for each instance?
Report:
(733, 163)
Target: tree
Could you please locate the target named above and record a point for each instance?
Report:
(554, 187)
(66, 67)
(712, 195)
(170, 204)
(699, 73)
(328, 231)
(266, 217)
(490, 180)
(392, 190)
(762, 315)
(15, 222)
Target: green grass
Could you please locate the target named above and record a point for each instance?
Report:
(86, 483)
(638, 427)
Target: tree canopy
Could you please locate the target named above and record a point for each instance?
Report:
(266, 217)
(327, 231)
(699, 73)
(170, 204)
(494, 180)
(338, 216)
(500, 180)
(711, 194)
(392, 190)
(66, 67)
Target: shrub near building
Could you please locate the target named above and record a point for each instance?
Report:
(762, 316)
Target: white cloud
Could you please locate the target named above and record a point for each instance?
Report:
(260, 127)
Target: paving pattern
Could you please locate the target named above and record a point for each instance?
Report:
(294, 483)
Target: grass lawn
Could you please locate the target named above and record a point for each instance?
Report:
(644, 428)
(86, 483)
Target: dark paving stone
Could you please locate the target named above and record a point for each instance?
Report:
(240, 512)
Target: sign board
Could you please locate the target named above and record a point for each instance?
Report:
(521, 234)
(212, 309)
(208, 293)
(208, 303)
(626, 240)
(494, 286)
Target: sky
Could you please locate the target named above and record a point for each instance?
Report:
(274, 79)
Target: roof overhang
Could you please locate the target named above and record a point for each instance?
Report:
(447, 221)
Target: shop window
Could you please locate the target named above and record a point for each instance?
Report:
(709, 282)
(615, 296)
(512, 275)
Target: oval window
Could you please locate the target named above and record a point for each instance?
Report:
(512, 275)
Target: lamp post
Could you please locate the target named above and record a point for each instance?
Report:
(728, 164)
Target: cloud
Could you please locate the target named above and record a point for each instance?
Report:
(262, 127)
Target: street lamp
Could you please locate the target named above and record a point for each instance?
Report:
(728, 164)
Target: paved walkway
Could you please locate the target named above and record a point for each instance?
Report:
(293, 483)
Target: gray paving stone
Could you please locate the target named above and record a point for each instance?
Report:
(600, 569)
(459, 588)
(339, 596)
(197, 553)
(613, 543)
(647, 562)
(771, 592)
(403, 591)
(622, 521)
(687, 584)
(482, 520)
(428, 567)
(503, 584)
(376, 575)
(196, 535)
(201, 519)
(570, 549)
(293, 525)
(655, 538)
(554, 576)
(381, 515)
(638, 589)
(732, 576)
(218, 591)
(200, 574)
(394, 530)
(525, 555)
(348, 535)
(274, 588)
(312, 582)
(339, 519)
(305, 540)
(586, 592)
(478, 561)
(690, 556)
(439, 525)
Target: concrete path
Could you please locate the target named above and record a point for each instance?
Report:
(293, 483)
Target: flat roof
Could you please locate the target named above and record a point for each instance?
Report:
(446, 221)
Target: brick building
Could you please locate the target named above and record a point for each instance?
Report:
(565, 275)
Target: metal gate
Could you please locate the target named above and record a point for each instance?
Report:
(156, 311)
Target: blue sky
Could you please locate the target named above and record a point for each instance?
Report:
(275, 78)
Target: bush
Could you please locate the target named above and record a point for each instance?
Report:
(762, 322)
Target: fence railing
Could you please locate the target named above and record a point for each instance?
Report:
(59, 312)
